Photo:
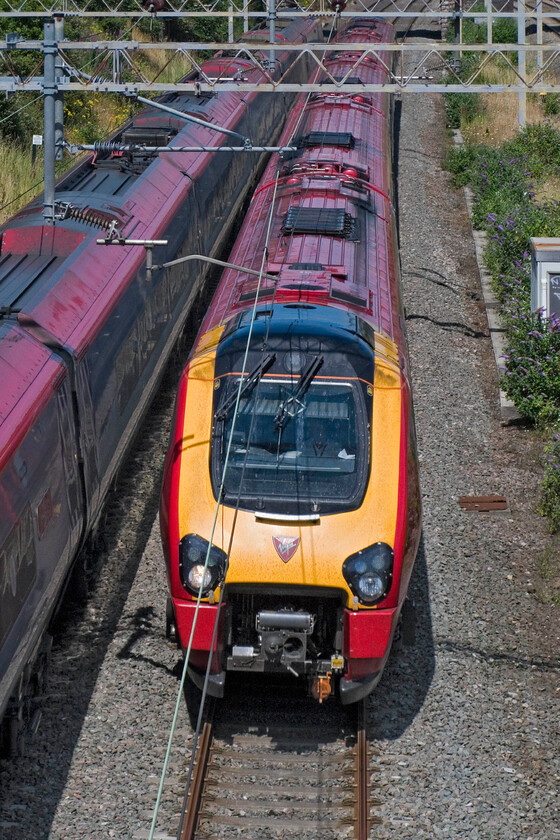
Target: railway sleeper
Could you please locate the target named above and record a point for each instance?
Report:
(325, 823)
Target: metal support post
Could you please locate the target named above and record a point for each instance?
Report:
(539, 37)
(230, 22)
(521, 63)
(458, 24)
(117, 66)
(272, 32)
(49, 95)
(489, 21)
(59, 96)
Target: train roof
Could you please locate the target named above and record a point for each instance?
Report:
(346, 341)
(57, 277)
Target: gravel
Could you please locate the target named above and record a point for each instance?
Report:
(466, 721)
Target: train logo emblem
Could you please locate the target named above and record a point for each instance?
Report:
(285, 547)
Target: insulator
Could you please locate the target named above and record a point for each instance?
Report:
(107, 146)
(88, 218)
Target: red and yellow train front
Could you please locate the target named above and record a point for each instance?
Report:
(290, 499)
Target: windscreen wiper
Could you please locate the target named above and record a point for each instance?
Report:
(248, 384)
(283, 414)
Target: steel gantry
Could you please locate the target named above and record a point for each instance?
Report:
(418, 65)
(414, 64)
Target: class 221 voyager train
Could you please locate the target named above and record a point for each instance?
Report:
(290, 511)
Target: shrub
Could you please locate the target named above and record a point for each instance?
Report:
(503, 182)
(504, 31)
(550, 501)
(532, 364)
(551, 104)
(461, 108)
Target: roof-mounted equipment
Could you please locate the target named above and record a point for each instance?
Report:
(342, 139)
(327, 221)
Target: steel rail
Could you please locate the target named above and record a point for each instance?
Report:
(196, 789)
(218, 797)
(361, 825)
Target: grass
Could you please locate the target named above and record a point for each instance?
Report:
(548, 565)
(494, 119)
(161, 66)
(20, 181)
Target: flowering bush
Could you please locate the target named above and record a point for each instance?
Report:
(532, 366)
(551, 485)
(504, 182)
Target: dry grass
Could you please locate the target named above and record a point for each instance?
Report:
(549, 191)
(499, 120)
(18, 176)
(548, 564)
(162, 65)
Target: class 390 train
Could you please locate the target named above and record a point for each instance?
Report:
(290, 510)
(85, 332)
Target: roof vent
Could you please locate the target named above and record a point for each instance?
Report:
(307, 266)
(349, 297)
(327, 221)
(351, 80)
(343, 139)
(251, 294)
(148, 136)
(305, 287)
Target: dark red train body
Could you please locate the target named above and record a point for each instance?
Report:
(290, 509)
(84, 336)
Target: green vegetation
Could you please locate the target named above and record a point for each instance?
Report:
(506, 183)
(549, 570)
(465, 107)
(88, 116)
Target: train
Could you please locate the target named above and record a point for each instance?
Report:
(291, 510)
(86, 331)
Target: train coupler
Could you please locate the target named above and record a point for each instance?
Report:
(321, 687)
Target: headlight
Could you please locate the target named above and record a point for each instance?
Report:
(369, 572)
(192, 560)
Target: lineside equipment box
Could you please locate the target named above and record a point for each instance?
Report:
(545, 276)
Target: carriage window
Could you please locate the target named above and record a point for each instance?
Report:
(311, 454)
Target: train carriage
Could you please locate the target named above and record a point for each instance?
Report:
(290, 509)
(85, 332)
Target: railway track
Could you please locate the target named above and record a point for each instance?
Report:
(296, 769)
